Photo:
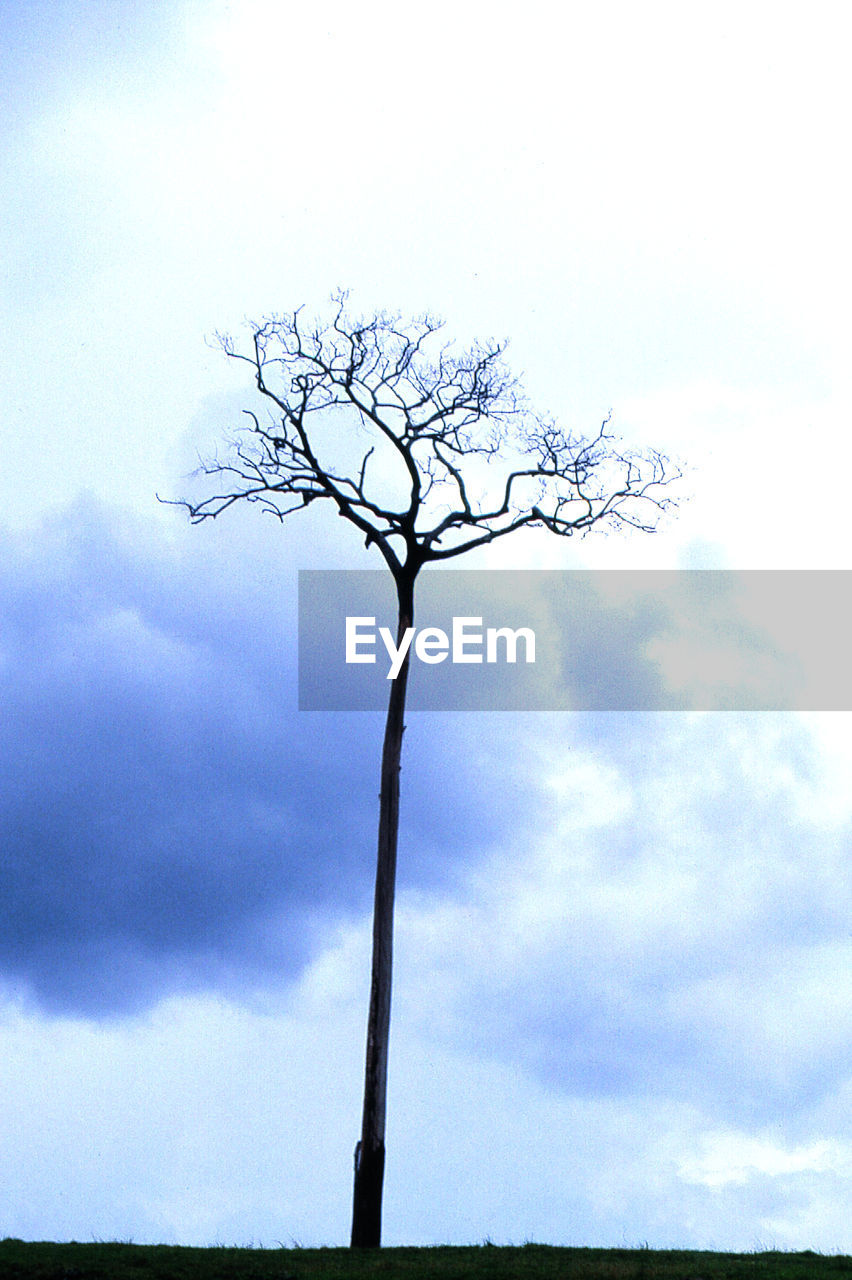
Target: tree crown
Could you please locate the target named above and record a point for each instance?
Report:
(428, 450)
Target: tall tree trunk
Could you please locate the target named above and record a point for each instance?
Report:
(370, 1151)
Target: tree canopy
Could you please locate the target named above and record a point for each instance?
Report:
(439, 450)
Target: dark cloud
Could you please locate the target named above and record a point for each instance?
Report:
(170, 821)
(168, 818)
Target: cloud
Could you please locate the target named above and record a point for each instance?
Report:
(194, 1123)
(618, 936)
(730, 1157)
(220, 1123)
(169, 819)
(627, 902)
(672, 928)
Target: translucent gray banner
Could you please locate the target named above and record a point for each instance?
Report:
(540, 640)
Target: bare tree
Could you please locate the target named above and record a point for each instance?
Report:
(440, 454)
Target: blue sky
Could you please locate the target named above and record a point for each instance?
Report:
(622, 1010)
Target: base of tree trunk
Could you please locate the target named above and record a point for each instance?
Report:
(367, 1199)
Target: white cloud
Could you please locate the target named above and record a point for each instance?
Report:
(206, 1123)
(201, 1122)
(731, 1157)
(682, 927)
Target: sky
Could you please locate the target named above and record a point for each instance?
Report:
(622, 1006)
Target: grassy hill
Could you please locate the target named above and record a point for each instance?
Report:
(43, 1261)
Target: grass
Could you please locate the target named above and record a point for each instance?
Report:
(485, 1262)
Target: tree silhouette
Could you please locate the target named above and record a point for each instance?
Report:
(439, 453)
